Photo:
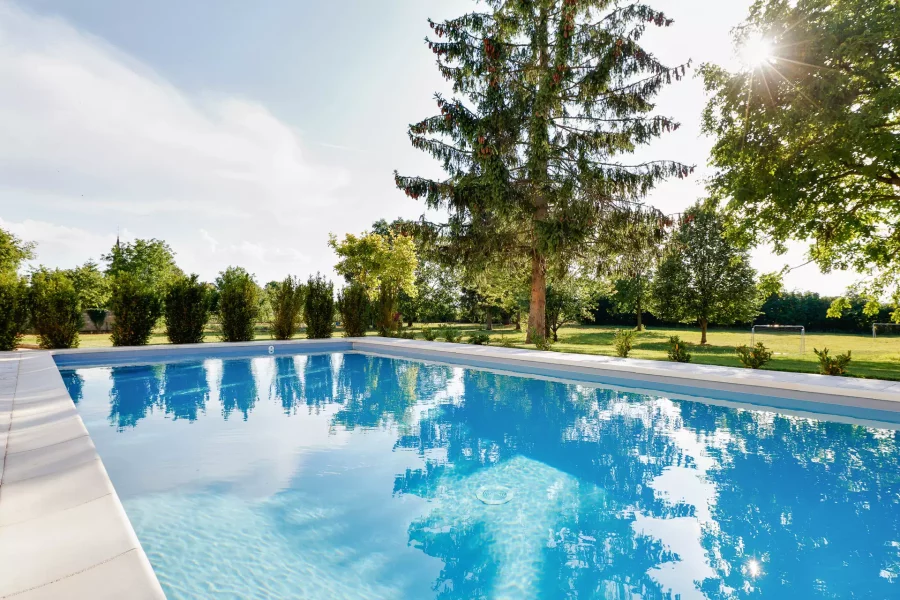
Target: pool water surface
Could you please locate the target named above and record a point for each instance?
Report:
(346, 475)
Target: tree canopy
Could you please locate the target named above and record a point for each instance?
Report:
(548, 95)
(808, 140)
(703, 277)
(384, 264)
(91, 285)
(151, 261)
(13, 252)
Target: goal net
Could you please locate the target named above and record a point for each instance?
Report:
(780, 329)
(885, 329)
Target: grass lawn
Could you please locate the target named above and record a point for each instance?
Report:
(879, 358)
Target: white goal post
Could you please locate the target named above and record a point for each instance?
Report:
(875, 327)
(779, 328)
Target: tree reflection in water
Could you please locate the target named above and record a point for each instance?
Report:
(134, 392)
(791, 507)
(237, 387)
(810, 506)
(186, 390)
(287, 386)
(74, 382)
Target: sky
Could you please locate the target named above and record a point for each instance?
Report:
(244, 133)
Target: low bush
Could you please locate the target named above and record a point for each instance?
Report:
(541, 342)
(406, 334)
(353, 304)
(832, 365)
(238, 304)
(623, 341)
(755, 357)
(55, 309)
(187, 310)
(13, 310)
(678, 350)
(480, 339)
(286, 299)
(450, 334)
(429, 334)
(136, 306)
(506, 342)
(97, 317)
(319, 308)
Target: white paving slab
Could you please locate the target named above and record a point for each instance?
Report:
(846, 391)
(63, 531)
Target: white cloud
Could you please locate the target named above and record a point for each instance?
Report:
(72, 245)
(91, 137)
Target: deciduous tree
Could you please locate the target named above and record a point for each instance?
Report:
(704, 277)
(808, 135)
(384, 264)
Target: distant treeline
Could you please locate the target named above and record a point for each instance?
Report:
(787, 308)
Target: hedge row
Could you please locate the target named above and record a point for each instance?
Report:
(50, 305)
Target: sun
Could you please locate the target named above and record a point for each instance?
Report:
(756, 52)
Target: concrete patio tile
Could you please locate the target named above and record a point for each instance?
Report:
(50, 459)
(48, 403)
(46, 429)
(44, 550)
(41, 496)
(122, 577)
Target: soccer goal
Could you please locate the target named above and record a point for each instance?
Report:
(780, 329)
(885, 329)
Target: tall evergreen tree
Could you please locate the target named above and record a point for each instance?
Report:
(548, 94)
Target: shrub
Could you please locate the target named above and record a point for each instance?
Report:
(678, 350)
(429, 334)
(623, 341)
(506, 342)
(286, 299)
(480, 339)
(319, 309)
(541, 342)
(55, 309)
(353, 304)
(755, 357)
(136, 306)
(406, 334)
(450, 334)
(238, 304)
(97, 317)
(832, 365)
(187, 310)
(13, 310)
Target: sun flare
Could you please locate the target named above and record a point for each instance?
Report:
(756, 52)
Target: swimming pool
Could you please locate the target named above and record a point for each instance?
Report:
(347, 475)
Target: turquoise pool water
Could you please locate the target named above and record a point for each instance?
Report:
(355, 476)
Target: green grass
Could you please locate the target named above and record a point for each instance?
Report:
(879, 358)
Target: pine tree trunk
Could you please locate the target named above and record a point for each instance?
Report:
(489, 319)
(519, 320)
(703, 324)
(537, 312)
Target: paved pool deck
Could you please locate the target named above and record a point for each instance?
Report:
(64, 533)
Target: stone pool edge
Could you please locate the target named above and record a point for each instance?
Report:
(63, 530)
(64, 533)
